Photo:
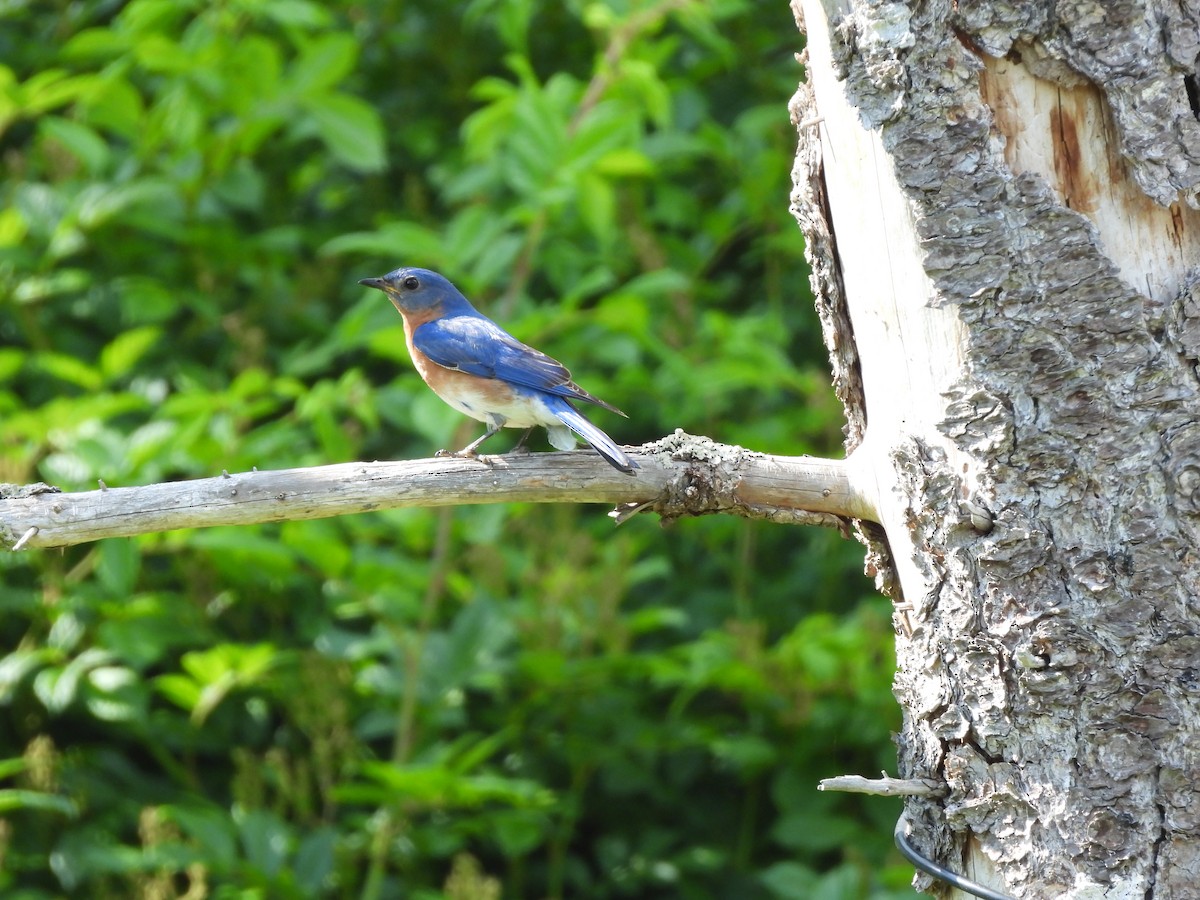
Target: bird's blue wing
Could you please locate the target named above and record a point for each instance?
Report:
(478, 346)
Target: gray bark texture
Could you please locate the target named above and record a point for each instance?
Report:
(1046, 160)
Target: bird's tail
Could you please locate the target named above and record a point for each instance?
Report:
(601, 442)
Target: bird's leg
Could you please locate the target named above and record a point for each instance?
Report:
(520, 448)
(494, 424)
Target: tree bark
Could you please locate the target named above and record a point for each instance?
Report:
(1000, 207)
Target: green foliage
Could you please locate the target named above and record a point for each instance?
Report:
(471, 703)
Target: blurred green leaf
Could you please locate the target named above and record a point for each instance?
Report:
(83, 142)
(394, 241)
(324, 63)
(12, 800)
(437, 787)
(789, 881)
(36, 288)
(11, 360)
(315, 859)
(211, 828)
(58, 687)
(350, 129)
(124, 351)
(266, 839)
(117, 569)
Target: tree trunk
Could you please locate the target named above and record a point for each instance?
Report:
(1000, 206)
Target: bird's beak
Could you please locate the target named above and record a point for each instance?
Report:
(372, 282)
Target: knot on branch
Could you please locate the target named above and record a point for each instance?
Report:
(709, 480)
(21, 491)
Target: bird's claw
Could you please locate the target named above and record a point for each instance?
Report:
(463, 454)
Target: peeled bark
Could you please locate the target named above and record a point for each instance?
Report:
(1000, 203)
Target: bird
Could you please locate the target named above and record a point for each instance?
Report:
(481, 370)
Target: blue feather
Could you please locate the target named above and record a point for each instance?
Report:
(600, 442)
(478, 346)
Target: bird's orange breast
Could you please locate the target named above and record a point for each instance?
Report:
(472, 395)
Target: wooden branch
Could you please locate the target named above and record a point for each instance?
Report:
(680, 475)
(885, 786)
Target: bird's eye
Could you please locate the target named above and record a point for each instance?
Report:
(411, 283)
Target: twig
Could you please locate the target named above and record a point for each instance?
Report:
(30, 533)
(884, 786)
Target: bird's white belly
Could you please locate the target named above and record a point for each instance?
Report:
(517, 410)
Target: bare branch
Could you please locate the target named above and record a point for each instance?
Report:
(885, 786)
(680, 475)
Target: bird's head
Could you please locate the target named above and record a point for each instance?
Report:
(414, 291)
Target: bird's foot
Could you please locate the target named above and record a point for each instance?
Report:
(465, 453)
(521, 448)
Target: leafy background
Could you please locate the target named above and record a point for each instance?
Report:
(473, 703)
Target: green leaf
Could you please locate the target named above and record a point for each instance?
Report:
(789, 881)
(318, 541)
(510, 19)
(116, 694)
(69, 369)
(324, 63)
(209, 827)
(93, 44)
(17, 666)
(143, 629)
(519, 831)
(144, 299)
(265, 838)
(435, 786)
(11, 360)
(119, 564)
(39, 287)
(80, 140)
(245, 662)
(50, 89)
(643, 77)
(350, 128)
(314, 859)
(214, 674)
(625, 162)
(99, 202)
(12, 224)
(598, 206)
(66, 632)
(115, 104)
(748, 754)
(179, 689)
(12, 800)
(158, 53)
(125, 350)
(391, 243)
(297, 14)
(58, 688)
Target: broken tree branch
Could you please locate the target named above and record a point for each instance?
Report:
(885, 786)
(680, 475)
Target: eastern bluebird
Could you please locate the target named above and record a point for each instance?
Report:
(481, 370)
